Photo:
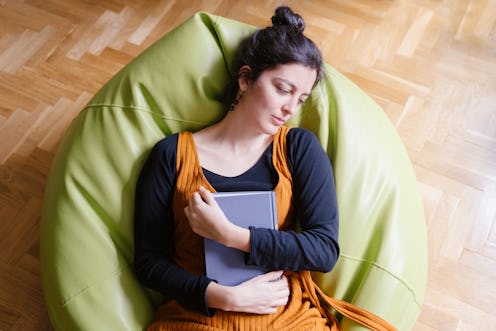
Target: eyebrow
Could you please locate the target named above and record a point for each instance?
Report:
(290, 83)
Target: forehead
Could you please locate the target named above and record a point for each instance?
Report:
(299, 75)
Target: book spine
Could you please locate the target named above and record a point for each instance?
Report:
(274, 211)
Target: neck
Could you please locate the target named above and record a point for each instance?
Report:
(239, 136)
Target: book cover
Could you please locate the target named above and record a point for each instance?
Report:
(251, 208)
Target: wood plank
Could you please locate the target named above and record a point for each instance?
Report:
(429, 64)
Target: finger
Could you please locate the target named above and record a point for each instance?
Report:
(280, 301)
(270, 310)
(206, 195)
(196, 197)
(273, 275)
(187, 211)
(280, 286)
(190, 206)
(195, 201)
(282, 280)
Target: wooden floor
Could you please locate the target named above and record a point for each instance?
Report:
(431, 64)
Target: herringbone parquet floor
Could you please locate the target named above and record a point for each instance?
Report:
(431, 64)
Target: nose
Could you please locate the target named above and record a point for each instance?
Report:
(291, 106)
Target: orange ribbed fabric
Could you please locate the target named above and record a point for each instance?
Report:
(303, 311)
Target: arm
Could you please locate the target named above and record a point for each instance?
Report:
(316, 246)
(153, 221)
(153, 243)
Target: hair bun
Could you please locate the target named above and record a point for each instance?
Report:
(284, 16)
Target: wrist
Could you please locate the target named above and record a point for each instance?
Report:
(218, 296)
(238, 238)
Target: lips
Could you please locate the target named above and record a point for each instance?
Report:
(278, 120)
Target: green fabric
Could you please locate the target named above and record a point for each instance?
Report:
(176, 85)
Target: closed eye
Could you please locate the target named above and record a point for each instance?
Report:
(283, 90)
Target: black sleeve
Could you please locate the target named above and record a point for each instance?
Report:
(153, 222)
(315, 247)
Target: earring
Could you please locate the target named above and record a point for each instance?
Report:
(236, 101)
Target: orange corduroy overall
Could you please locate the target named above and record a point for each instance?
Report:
(303, 311)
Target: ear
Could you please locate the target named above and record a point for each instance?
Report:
(244, 77)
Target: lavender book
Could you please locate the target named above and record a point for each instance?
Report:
(250, 208)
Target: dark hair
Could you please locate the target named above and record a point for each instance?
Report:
(281, 43)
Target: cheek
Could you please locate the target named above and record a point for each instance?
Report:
(269, 99)
(265, 97)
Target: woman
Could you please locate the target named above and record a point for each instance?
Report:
(248, 150)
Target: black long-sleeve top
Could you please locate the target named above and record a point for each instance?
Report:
(313, 247)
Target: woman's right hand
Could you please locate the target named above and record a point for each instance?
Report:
(260, 295)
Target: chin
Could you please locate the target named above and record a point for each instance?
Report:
(272, 130)
(269, 127)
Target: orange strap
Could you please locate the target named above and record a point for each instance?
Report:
(353, 312)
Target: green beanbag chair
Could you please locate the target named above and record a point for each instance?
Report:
(176, 85)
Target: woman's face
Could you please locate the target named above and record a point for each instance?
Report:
(276, 95)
